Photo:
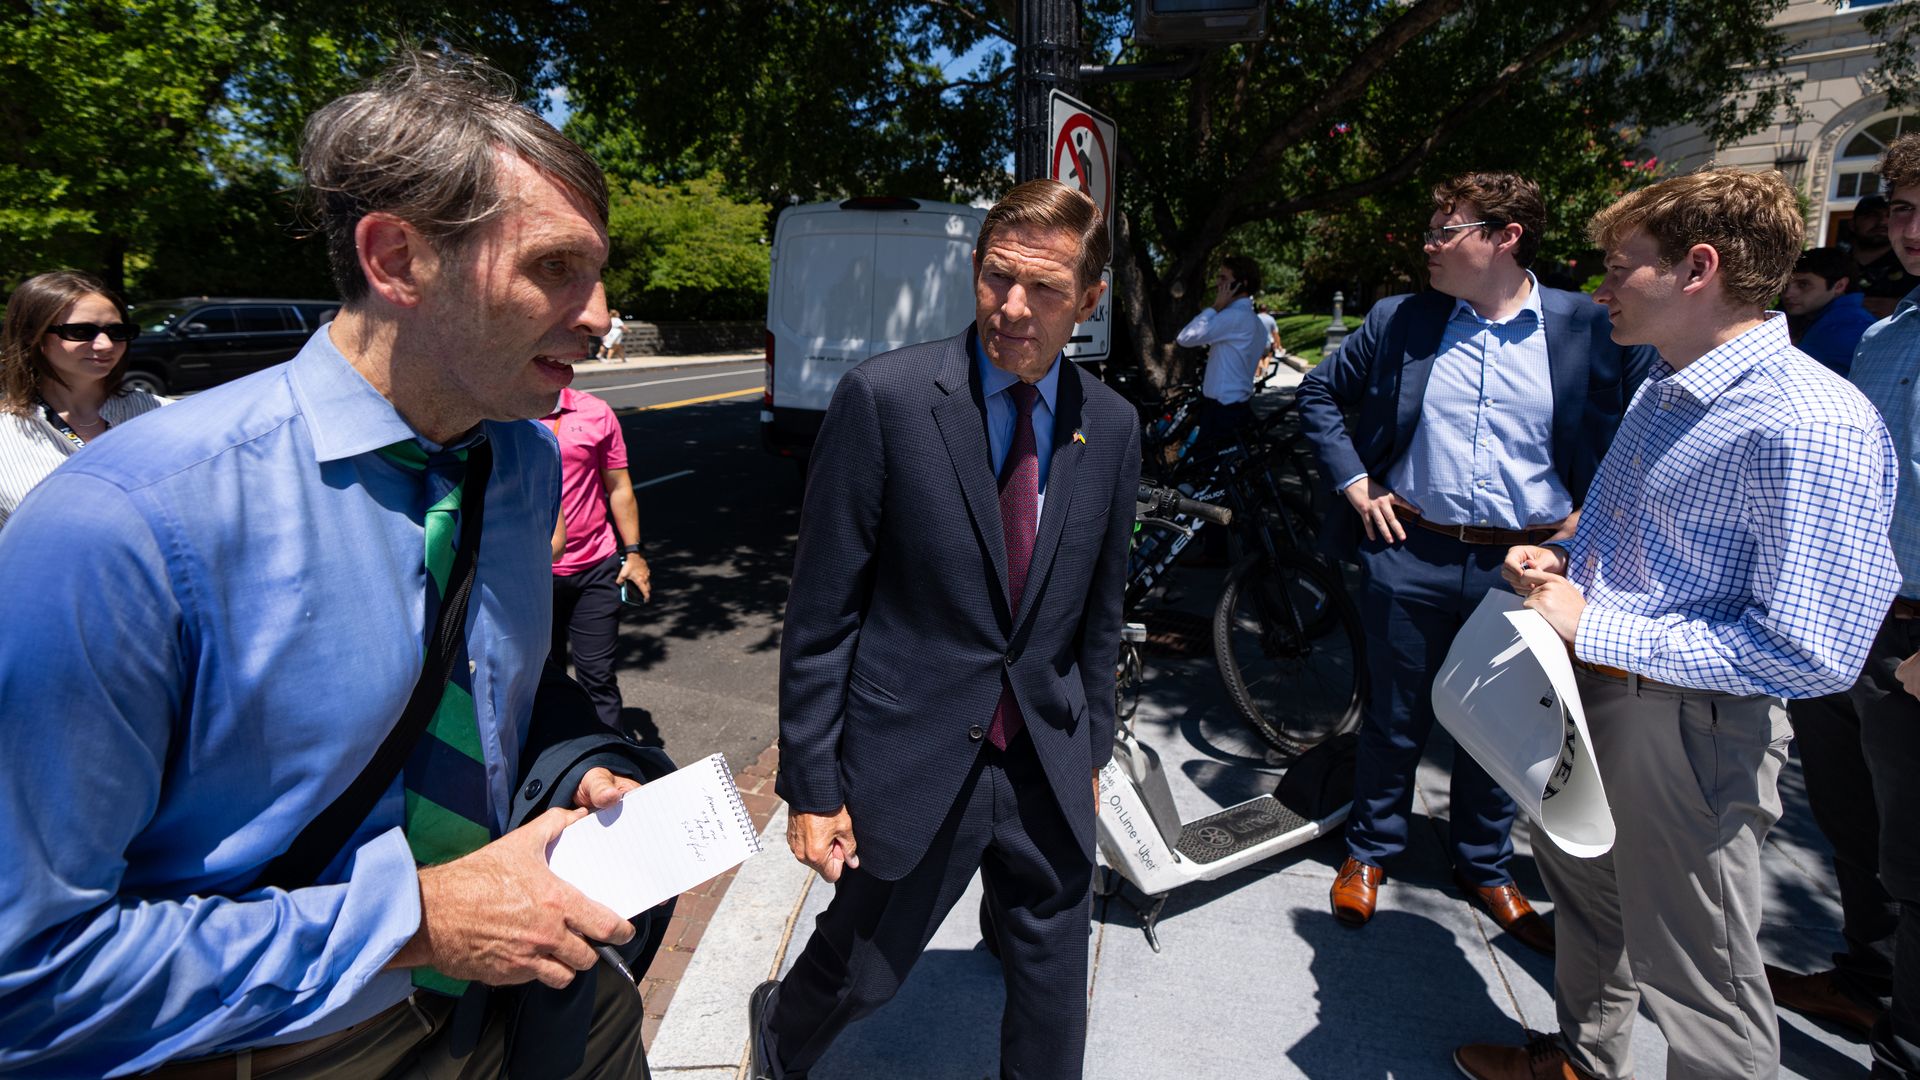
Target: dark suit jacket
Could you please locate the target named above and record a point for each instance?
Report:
(1380, 375)
(898, 633)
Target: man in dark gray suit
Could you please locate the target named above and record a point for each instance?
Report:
(946, 672)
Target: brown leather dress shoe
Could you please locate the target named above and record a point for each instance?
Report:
(1510, 909)
(1355, 890)
(1540, 1059)
(1819, 995)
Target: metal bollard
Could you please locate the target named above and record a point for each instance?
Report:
(1337, 329)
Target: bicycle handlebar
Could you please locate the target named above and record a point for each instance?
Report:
(1161, 502)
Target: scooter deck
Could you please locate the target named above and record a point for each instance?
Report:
(1236, 828)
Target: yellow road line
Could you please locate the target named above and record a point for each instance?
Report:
(694, 400)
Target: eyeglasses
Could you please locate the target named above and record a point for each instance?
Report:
(1439, 235)
(87, 331)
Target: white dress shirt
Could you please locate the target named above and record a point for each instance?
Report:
(1235, 341)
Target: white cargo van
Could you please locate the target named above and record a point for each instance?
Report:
(852, 279)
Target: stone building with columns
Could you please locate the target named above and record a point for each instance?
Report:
(1829, 152)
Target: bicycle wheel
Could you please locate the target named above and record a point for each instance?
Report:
(1295, 686)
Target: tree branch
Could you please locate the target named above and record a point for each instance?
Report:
(1163, 217)
(1597, 16)
(975, 18)
(894, 102)
(1345, 86)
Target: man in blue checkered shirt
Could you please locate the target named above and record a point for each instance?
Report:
(1733, 552)
(1860, 748)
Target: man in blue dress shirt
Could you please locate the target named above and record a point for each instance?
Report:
(1827, 319)
(1860, 749)
(214, 620)
(1733, 552)
(1481, 410)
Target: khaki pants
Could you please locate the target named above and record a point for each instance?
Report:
(1672, 914)
(410, 1043)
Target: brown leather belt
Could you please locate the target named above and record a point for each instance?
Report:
(1625, 676)
(1904, 608)
(266, 1058)
(1474, 534)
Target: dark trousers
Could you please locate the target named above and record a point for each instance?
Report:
(1220, 425)
(1418, 595)
(416, 1041)
(1840, 792)
(586, 609)
(1890, 738)
(1007, 823)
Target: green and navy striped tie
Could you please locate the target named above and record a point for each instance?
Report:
(449, 802)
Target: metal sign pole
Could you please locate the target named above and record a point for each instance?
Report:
(1046, 58)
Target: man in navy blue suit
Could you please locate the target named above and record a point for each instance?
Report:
(947, 666)
(1482, 408)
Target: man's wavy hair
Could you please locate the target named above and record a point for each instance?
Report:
(1751, 219)
(1502, 199)
(1900, 165)
(422, 143)
(1050, 204)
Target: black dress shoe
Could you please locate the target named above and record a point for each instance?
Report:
(759, 1006)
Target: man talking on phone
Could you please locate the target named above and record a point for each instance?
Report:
(1235, 340)
(604, 563)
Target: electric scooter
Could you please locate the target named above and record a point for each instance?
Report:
(1142, 838)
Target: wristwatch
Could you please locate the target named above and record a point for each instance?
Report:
(633, 549)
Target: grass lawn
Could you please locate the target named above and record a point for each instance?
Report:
(1303, 335)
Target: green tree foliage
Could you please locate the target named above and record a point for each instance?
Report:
(152, 141)
(801, 98)
(685, 251)
(1324, 138)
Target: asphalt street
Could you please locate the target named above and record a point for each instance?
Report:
(699, 665)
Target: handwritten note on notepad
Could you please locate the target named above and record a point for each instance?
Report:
(661, 840)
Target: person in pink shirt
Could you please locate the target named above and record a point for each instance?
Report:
(603, 553)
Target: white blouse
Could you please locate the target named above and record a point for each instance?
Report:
(30, 448)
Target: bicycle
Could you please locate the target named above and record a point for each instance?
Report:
(1286, 637)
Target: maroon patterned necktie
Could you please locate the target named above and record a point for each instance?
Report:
(1019, 517)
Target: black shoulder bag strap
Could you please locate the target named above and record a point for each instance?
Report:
(317, 845)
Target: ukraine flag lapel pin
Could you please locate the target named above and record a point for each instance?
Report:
(1079, 437)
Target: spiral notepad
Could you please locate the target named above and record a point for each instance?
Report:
(661, 840)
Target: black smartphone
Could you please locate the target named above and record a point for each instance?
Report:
(631, 595)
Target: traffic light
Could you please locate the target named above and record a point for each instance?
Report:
(1198, 22)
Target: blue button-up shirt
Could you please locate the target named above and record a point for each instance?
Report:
(1735, 538)
(213, 618)
(1482, 453)
(1002, 413)
(1886, 368)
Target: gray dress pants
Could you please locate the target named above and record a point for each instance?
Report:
(1672, 914)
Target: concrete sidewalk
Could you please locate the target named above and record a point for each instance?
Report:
(1255, 978)
(646, 363)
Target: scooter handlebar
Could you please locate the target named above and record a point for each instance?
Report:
(1162, 502)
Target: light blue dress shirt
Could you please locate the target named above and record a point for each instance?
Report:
(1002, 413)
(1482, 453)
(214, 617)
(1886, 368)
(1735, 538)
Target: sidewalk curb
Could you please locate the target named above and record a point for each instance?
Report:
(704, 1033)
(644, 363)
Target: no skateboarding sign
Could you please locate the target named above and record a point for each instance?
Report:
(1084, 143)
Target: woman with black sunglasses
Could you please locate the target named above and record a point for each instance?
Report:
(60, 367)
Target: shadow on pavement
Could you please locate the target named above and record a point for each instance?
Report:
(950, 1007)
(1403, 973)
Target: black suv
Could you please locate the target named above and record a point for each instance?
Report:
(200, 341)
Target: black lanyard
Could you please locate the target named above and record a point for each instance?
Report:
(66, 429)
